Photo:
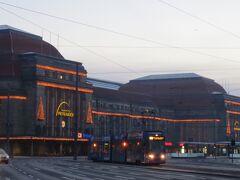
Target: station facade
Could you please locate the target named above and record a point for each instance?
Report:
(39, 90)
(42, 95)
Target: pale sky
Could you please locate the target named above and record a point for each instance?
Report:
(207, 36)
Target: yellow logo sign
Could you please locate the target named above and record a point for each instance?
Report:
(64, 110)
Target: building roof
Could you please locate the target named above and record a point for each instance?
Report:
(14, 41)
(4, 27)
(168, 76)
(10, 28)
(104, 84)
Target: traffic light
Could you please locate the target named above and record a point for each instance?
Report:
(233, 142)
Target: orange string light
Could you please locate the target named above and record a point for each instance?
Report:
(14, 97)
(59, 70)
(54, 85)
(40, 138)
(154, 118)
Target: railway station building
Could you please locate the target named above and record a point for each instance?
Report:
(38, 93)
(44, 97)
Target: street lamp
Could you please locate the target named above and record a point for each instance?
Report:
(75, 152)
(8, 123)
(143, 119)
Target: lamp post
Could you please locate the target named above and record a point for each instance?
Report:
(8, 123)
(143, 125)
(75, 151)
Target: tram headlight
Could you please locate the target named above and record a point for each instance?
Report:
(94, 145)
(162, 156)
(151, 156)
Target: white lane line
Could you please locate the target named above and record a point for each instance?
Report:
(135, 174)
(37, 169)
(30, 176)
(123, 177)
(67, 178)
(24, 172)
(114, 167)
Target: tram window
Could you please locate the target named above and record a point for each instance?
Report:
(156, 146)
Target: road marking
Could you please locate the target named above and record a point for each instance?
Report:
(7, 178)
(114, 167)
(67, 178)
(30, 176)
(37, 169)
(24, 172)
(135, 174)
(123, 177)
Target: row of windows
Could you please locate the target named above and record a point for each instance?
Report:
(59, 75)
(106, 125)
(232, 107)
(124, 107)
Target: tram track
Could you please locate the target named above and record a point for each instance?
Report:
(201, 171)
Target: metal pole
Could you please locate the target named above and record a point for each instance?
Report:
(75, 151)
(8, 122)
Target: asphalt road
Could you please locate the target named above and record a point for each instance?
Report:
(66, 168)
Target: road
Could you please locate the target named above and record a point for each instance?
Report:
(67, 169)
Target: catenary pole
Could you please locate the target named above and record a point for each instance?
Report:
(75, 150)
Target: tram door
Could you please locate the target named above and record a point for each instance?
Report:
(106, 151)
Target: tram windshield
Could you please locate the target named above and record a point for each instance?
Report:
(156, 144)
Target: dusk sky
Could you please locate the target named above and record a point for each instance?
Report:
(120, 40)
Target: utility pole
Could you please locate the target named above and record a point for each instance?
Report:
(75, 150)
(8, 123)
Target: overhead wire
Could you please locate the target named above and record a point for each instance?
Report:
(199, 19)
(80, 46)
(72, 42)
(151, 47)
(122, 34)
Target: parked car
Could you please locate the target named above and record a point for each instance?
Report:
(4, 157)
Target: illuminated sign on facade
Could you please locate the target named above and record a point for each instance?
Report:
(64, 110)
(236, 126)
